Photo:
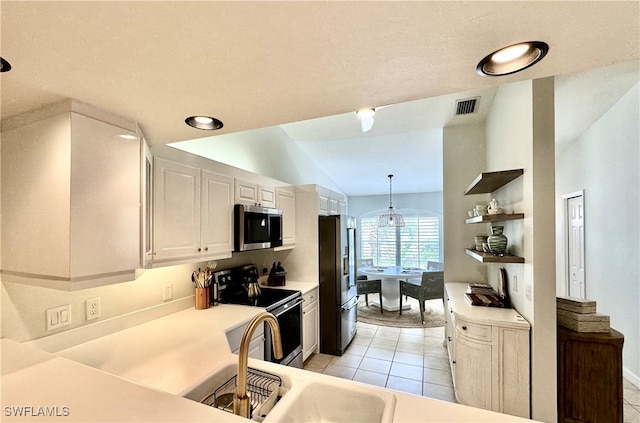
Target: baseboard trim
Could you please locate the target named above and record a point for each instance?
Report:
(632, 378)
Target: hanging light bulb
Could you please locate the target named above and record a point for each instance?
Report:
(366, 119)
(391, 218)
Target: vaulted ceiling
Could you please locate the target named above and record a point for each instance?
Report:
(260, 64)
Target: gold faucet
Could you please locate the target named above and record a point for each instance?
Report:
(241, 401)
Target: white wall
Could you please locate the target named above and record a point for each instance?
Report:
(604, 162)
(430, 201)
(518, 134)
(464, 155)
(268, 152)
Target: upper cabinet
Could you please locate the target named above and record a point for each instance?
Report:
(486, 183)
(286, 201)
(253, 193)
(192, 213)
(330, 202)
(71, 196)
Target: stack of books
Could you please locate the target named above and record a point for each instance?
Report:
(580, 315)
(479, 294)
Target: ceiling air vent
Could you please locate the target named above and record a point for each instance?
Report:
(467, 106)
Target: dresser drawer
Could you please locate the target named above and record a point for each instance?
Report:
(475, 331)
(310, 297)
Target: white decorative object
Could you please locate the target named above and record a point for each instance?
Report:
(493, 207)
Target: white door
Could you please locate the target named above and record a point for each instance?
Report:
(575, 246)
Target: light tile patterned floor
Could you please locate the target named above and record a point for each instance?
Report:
(409, 359)
(412, 360)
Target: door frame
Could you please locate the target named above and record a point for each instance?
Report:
(567, 268)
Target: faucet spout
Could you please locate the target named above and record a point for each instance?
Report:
(241, 401)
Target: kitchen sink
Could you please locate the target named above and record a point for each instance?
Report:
(328, 402)
(217, 390)
(303, 401)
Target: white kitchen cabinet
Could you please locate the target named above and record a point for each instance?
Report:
(310, 323)
(324, 196)
(70, 197)
(192, 213)
(146, 196)
(286, 201)
(253, 193)
(489, 354)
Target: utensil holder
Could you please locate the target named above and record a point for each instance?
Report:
(202, 298)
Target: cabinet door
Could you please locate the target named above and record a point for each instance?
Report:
(176, 210)
(216, 214)
(473, 372)
(246, 192)
(147, 206)
(266, 196)
(286, 201)
(310, 317)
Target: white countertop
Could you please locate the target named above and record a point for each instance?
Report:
(138, 374)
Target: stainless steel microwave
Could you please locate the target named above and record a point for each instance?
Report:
(256, 227)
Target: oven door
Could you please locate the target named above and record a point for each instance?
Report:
(289, 318)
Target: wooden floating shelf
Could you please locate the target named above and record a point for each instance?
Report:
(495, 218)
(492, 258)
(488, 182)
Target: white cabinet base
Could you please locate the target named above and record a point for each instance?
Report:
(488, 353)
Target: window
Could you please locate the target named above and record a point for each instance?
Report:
(412, 246)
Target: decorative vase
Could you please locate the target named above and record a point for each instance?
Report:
(497, 241)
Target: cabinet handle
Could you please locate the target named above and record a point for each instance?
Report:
(464, 328)
(449, 338)
(453, 361)
(199, 249)
(206, 248)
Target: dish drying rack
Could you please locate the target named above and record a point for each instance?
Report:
(263, 389)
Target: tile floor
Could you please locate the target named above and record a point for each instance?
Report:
(412, 360)
(405, 359)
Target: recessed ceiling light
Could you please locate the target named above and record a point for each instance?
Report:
(206, 123)
(512, 59)
(128, 137)
(4, 65)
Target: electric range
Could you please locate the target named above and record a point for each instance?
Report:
(284, 304)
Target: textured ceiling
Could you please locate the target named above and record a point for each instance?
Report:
(260, 64)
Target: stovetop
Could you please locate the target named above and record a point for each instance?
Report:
(232, 289)
(269, 298)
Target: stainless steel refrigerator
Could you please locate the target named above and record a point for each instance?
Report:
(337, 271)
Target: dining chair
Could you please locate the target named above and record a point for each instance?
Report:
(430, 287)
(435, 265)
(366, 286)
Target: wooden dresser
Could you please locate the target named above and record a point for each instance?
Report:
(589, 376)
(488, 354)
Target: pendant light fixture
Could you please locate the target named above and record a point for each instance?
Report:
(391, 218)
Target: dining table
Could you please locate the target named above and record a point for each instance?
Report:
(390, 277)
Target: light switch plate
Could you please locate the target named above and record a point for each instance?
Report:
(58, 317)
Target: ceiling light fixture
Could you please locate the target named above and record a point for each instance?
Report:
(206, 123)
(366, 118)
(128, 137)
(4, 65)
(512, 59)
(391, 218)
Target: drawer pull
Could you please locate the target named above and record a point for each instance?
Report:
(464, 328)
(449, 338)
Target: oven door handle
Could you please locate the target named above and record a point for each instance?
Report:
(286, 307)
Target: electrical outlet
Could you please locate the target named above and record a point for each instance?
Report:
(527, 292)
(515, 283)
(93, 308)
(167, 292)
(58, 317)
